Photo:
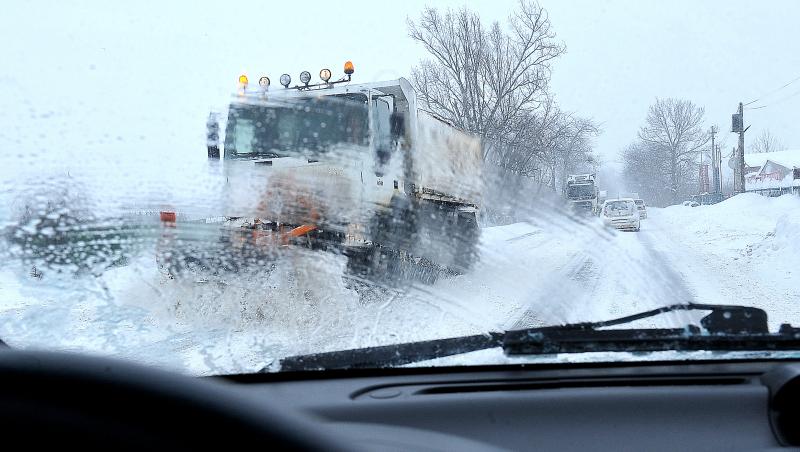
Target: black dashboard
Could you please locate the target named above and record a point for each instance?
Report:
(645, 406)
(66, 400)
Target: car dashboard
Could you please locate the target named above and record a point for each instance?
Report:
(730, 405)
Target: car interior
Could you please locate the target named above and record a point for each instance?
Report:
(63, 399)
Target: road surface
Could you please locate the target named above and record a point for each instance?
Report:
(625, 273)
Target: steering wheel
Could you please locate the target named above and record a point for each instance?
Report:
(60, 399)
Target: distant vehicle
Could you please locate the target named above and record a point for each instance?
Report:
(707, 198)
(642, 208)
(691, 203)
(621, 213)
(582, 192)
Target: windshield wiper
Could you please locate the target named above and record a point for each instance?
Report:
(727, 328)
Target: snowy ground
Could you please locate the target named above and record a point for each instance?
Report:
(550, 270)
(745, 251)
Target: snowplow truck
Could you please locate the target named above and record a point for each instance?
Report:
(581, 192)
(356, 169)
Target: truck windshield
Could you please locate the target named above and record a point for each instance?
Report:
(580, 191)
(306, 126)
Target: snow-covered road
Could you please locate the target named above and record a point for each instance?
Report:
(626, 273)
(551, 270)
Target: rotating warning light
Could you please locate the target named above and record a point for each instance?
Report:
(349, 68)
(243, 79)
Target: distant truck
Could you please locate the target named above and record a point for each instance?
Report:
(582, 193)
(355, 168)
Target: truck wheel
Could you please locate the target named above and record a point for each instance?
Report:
(467, 238)
(392, 232)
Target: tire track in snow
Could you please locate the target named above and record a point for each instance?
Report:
(609, 278)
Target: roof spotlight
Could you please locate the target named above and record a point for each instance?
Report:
(305, 77)
(325, 75)
(263, 82)
(286, 79)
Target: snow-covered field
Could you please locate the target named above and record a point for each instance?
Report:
(550, 270)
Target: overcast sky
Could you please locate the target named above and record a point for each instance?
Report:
(94, 72)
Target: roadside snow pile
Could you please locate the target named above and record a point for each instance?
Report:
(786, 240)
(745, 226)
(745, 250)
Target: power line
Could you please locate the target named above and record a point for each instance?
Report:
(772, 92)
(776, 102)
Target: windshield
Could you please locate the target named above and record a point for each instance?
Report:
(212, 191)
(617, 207)
(581, 191)
(301, 126)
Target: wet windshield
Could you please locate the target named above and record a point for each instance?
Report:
(259, 129)
(226, 190)
(580, 191)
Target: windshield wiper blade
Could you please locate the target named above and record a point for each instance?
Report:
(727, 328)
(391, 355)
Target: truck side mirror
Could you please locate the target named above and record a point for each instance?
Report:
(397, 123)
(212, 135)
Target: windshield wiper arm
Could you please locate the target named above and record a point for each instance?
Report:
(647, 340)
(722, 319)
(391, 355)
(727, 328)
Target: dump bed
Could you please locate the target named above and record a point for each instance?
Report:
(446, 160)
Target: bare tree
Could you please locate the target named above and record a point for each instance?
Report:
(646, 173)
(535, 138)
(576, 152)
(548, 144)
(766, 142)
(670, 140)
(485, 80)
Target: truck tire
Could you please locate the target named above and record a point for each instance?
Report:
(392, 232)
(468, 236)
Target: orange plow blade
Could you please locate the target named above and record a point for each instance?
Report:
(302, 230)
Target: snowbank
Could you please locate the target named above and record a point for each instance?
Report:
(745, 250)
(738, 221)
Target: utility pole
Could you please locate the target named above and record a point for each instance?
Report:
(737, 126)
(741, 150)
(719, 169)
(714, 167)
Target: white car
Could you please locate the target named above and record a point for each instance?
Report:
(642, 208)
(621, 214)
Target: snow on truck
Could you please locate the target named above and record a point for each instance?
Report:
(358, 169)
(581, 192)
